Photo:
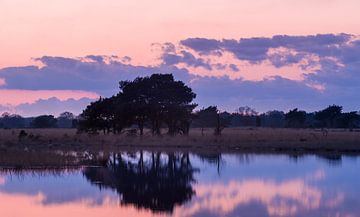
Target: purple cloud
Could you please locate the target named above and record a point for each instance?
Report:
(52, 106)
(255, 50)
(185, 57)
(337, 55)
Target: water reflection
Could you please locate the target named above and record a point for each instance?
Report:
(191, 185)
(155, 181)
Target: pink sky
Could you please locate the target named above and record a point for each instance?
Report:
(77, 28)
(34, 28)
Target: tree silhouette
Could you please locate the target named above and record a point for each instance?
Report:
(106, 114)
(44, 121)
(329, 116)
(295, 118)
(349, 120)
(8, 120)
(154, 100)
(159, 98)
(65, 120)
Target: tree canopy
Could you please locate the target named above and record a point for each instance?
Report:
(154, 101)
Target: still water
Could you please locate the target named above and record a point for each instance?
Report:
(161, 184)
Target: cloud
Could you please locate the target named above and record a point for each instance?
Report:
(97, 75)
(14, 97)
(255, 49)
(51, 106)
(279, 72)
(202, 45)
(274, 93)
(187, 58)
(287, 198)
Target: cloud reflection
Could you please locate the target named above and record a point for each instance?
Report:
(281, 199)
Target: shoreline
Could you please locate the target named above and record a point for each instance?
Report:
(232, 140)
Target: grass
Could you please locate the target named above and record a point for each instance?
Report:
(64, 148)
(256, 139)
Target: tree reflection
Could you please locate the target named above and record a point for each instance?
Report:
(212, 158)
(153, 181)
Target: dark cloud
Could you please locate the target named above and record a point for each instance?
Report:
(252, 50)
(255, 50)
(335, 81)
(234, 68)
(280, 59)
(274, 93)
(96, 58)
(202, 45)
(52, 106)
(61, 73)
(187, 58)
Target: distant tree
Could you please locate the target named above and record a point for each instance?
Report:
(329, 116)
(244, 116)
(246, 111)
(65, 120)
(223, 120)
(295, 118)
(67, 115)
(258, 121)
(349, 120)
(44, 121)
(206, 117)
(210, 117)
(273, 119)
(8, 120)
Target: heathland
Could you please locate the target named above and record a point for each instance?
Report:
(250, 139)
(53, 148)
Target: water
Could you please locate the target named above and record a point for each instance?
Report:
(159, 184)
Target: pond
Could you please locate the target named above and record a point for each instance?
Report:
(181, 184)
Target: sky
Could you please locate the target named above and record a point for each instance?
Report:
(268, 54)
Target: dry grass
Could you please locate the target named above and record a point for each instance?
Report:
(64, 148)
(254, 139)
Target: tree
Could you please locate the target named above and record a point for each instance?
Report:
(159, 99)
(210, 117)
(156, 100)
(206, 117)
(329, 116)
(349, 120)
(246, 111)
(295, 118)
(65, 120)
(44, 121)
(273, 119)
(8, 120)
(106, 114)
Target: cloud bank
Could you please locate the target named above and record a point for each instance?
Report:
(279, 72)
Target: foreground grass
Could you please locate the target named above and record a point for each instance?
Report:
(64, 148)
(232, 139)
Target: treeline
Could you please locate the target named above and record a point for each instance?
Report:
(159, 103)
(330, 117)
(65, 120)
